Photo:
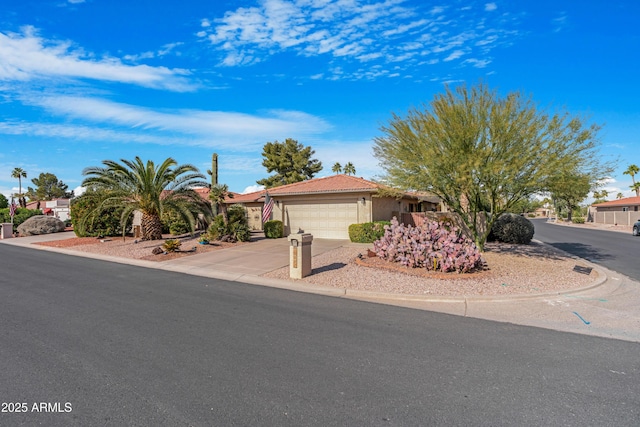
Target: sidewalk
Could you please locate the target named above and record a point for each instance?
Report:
(611, 309)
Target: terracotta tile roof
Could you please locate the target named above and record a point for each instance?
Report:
(202, 191)
(331, 184)
(627, 201)
(245, 198)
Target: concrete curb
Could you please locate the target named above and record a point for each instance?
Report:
(300, 286)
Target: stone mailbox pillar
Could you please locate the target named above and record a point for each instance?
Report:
(6, 231)
(299, 255)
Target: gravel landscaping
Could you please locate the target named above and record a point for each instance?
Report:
(510, 269)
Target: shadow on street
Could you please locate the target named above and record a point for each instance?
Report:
(583, 251)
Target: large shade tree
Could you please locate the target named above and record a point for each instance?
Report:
(48, 187)
(291, 162)
(482, 153)
(150, 189)
(569, 188)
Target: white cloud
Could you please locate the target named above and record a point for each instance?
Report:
(454, 55)
(145, 125)
(354, 32)
(489, 7)
(79, 191)
(252, 189)
(27, 56)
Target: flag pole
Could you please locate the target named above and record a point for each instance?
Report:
(12, 211)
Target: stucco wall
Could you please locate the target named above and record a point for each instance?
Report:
(384, 208)
(619, 217)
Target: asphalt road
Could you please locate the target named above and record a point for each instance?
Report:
(112, 345)
(616, 251)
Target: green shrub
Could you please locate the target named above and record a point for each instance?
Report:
(367, 232)
(217, 228)
(171, 245)
(512, 228)
(273, 229)
(88, 221)
(237, 227)
(173, 224)
(578, 220)
(22, 214)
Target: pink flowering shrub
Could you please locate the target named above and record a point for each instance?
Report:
(436, 246)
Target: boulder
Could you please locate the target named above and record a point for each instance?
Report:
(40, 224)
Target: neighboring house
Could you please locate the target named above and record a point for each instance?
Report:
(621, 211)
(58, 208)
(253, 203)
(325, 207)
(542, 212)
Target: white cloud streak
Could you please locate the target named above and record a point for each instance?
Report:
(26, 56)
(111, 121)
(356, 32)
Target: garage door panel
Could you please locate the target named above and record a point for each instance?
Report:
(329, 220)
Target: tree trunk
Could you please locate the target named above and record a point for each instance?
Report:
(151, 227)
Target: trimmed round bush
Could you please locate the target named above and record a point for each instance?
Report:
(273, 229)
(367, 232)
(512, 228)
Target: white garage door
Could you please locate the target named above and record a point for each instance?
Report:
(327, 220)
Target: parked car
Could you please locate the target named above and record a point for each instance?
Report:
(636, 228)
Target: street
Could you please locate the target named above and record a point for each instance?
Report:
(613, 250)
(109, 344)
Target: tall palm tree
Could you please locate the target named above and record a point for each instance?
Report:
(151, 190)
(349, 169)
(337, 168)
(217, 195)
(20, 173)
(636, 187)
(633, 170)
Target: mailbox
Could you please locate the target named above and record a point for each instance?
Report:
(299, 255)
(6, 231)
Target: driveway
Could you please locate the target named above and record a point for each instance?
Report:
(253, 259)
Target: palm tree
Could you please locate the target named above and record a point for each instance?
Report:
(349, 169)
(151, 190)
(633, 170)
(20, 173)
(217, 195)
(337, 168)
(619, 196)
(636, 187)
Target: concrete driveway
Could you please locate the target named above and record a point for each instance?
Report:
(259, 257)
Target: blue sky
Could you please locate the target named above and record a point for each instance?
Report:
(82, 81)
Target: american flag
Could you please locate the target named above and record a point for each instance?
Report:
(12, 208)
(268, 207)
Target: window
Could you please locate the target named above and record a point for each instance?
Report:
(625, 209)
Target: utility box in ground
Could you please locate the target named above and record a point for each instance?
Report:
(299, 255)
(6, 230)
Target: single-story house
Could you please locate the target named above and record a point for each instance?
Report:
(624, 211)
(58, 208)
(325, 207)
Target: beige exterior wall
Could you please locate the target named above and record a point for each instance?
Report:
(254, 215)
(384, 208)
